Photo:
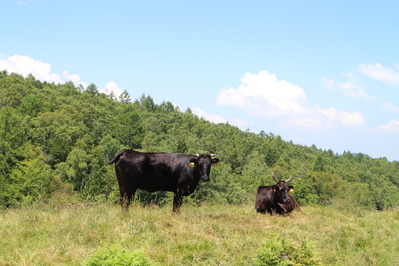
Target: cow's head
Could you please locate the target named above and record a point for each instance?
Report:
(281, 190)
(202, 164)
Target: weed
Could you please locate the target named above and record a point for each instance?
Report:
(116, 255)
(281, 252)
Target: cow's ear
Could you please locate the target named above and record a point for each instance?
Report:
(275, 188)
(291, 189)
(215, 161)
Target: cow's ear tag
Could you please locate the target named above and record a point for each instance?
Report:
(274, 189)
(192, 164)
(217, 164)
(291, 190)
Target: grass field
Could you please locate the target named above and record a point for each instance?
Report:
(205, 235)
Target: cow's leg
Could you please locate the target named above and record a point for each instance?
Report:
(124, 202)
(177, 201)
(126, 199)
(270, 211)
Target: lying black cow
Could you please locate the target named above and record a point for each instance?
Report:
(276, 198)
(175, 172)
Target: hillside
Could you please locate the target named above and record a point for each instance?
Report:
(54, 137)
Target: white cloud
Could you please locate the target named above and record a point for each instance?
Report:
(393, 126)
(329, 83)
(264, 95)
(219, 119)
(354, 90)
(209, 117)
(238, 123)
(351, 77)
(112, 87)
(381, 73)
(19, 2)
(308, 123)
(390, 107)
(177, 107)
(25, 65)
(325, 119)
(350, 88)
(75, 78)
(350, 119)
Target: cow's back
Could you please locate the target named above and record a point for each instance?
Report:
(152, 171)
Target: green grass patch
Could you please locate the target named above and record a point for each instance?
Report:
(205, 235)
(117, 256)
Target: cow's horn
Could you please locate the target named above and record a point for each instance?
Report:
(288, 180)
(274, 177)
(213, 155)
(196, 155)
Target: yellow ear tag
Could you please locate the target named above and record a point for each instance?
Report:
(192, 164)
(274, 189)
(291, 190)
(217, 164)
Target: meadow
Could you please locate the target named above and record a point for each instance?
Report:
(71, 234)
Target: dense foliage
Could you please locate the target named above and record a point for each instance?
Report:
(54, 137)
(118, 256)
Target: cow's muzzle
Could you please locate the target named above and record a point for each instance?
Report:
(204, 178)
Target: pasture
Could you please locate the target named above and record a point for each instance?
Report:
(69, 234)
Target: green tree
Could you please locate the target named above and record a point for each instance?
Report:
(92, 89)
(57, 132)
(125, 97)
(31, 179)
(128, 127)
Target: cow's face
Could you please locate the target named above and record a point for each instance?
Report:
(203, 165)
(282, 189)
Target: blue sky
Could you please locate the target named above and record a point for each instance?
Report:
(314, 72)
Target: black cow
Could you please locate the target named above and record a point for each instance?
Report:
(175, 172)
(276, 198)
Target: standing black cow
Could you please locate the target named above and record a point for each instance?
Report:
(175, 172)
(276, 198)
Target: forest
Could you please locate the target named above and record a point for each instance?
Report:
(54, 138)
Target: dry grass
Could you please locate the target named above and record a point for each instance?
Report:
(206, 235)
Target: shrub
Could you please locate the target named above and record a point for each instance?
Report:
(279, 252)
(116, 255)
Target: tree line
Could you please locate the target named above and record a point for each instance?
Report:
(54, 137)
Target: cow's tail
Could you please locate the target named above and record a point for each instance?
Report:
(296, 205)
(116, 157)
